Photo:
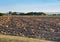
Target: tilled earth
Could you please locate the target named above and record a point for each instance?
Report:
(47, 28)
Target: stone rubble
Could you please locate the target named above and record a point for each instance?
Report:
(34, 27)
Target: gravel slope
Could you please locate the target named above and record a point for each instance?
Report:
(36, 27)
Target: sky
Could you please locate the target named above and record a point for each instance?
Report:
(30, 5)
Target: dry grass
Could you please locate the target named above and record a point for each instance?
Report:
(6, 38)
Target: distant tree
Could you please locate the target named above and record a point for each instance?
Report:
(41, 13)
(14, 13)
(10, 12)
(53, 14)
(21, 13)
(58, 14)
(1, 14)
(30, 13)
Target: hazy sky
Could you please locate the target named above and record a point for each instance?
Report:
(30, 5)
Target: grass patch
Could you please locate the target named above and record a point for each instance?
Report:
(7, 38)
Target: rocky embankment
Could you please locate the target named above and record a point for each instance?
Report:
(36, 27)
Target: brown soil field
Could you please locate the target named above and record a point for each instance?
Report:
(47, 28)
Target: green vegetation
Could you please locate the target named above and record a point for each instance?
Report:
(29, 14)
(2, 14)
(33, 13)
(6, 38)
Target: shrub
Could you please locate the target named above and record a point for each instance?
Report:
(1, 14)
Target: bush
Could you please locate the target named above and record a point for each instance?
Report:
(1, 14)
(33, 13)
(14, 13)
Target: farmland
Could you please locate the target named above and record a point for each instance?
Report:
(46, 28)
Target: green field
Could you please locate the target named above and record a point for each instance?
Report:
(7, 38)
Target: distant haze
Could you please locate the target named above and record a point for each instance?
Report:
(52, 12)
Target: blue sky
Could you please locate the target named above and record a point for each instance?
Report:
(30, 5)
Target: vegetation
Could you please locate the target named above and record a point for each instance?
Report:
(6, 38)
(1, 14)
(33, 13)
(29, 14)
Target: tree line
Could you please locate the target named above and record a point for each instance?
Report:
(29, 13)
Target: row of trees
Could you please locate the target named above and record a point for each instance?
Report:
(1, 14)
(29, 13)
(55, 14)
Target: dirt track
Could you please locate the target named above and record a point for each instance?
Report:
(36, 27)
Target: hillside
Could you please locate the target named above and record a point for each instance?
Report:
(7, 38)
(47, 28)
